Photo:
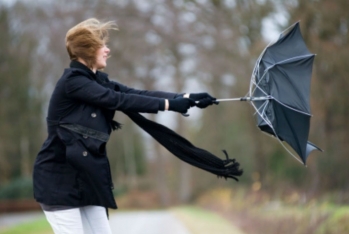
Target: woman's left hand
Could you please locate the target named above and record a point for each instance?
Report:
(203, 100)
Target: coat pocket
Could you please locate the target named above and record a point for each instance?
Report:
(56, 185)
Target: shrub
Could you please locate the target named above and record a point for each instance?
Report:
(20, 188)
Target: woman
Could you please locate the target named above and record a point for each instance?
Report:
(72, 179)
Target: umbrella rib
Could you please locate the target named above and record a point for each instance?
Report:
(262, 116)
(262, 106)
(290, 27)
(291, 108)
(255, 69)
(257, 86)
(287, 29)
(286, 60)
(283, 145)
(253, 81)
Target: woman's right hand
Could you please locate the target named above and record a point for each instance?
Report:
(180, 105)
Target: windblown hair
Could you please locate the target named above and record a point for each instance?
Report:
(84, 39)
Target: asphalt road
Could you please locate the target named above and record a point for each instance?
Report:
(135, 222)
(149, 222)
(9, 220)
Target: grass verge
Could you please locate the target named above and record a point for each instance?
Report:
(201, 221)
(40, 226)
(259, 212)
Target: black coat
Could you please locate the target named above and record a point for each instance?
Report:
(72, 167)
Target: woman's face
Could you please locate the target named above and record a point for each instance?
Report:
(101, 57)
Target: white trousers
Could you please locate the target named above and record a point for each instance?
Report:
(84, 220)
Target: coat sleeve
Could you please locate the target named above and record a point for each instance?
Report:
(86, 90)
(159, 94)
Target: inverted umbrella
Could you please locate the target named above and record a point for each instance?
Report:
(280, 89)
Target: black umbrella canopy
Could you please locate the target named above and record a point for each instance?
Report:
(283, 75)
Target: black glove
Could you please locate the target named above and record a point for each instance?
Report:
(180, 105)
(199, 96)
(203, 99)
(205, 102)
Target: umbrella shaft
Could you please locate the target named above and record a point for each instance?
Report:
(228, 99)
(244, 99)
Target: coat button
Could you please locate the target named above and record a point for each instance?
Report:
(94, 115)
(84, 153)
(85, 136)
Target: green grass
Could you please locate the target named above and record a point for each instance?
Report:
(40, 226)
(200, 221)
(337, 222)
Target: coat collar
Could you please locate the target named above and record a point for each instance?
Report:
(99, 76)
(78, 65)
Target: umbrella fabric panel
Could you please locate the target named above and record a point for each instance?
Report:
(293, 128)
(290, 83)
(289, 46)
(311, 147)
(289, 126)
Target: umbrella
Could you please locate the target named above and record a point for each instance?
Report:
(280, 89)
